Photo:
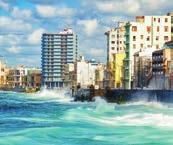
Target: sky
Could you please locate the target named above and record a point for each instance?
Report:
(22, 23)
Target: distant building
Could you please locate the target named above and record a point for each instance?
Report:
(171, 14)
(162, 66)
(115, 41)
(34, 78)
(142, 68)
(148, 32)
(18, 77)
(58, 49)
(3, 72)
(115, 55)
(118, 69)
(85, 72)
(99, 76)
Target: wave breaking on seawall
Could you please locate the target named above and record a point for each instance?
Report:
(59, 95)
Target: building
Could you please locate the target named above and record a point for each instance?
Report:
(115, 41)
(162, 66)
(34, 78)
(118, 69)
(99, 76)
(17, 77)
(85, 72)
(58, 49)
(70, 75)
(142, 69)
(171, 14)
(147, 32)
(115, 49)
(3, 72)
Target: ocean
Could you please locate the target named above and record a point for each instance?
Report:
(51, 118)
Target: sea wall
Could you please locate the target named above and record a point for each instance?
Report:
(122, 96)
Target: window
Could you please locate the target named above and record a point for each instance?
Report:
(166, 19)
(158, 28)
(134, 46)
(154, 19)
(157, 46)
(148, 38)
(113, 48)
(113, 42)
(120, 42)
(113, 36)
(157, 38)
(134, 38)
(148, 29)
(166, 38)
(158, 20)
(142, 36)
(142, 45)
(166, 28)
(134, 28)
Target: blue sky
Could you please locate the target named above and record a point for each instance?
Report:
(23, 21)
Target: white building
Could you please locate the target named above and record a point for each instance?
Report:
(115, 41)
(148, 32)
(19, 76)
(85, 71)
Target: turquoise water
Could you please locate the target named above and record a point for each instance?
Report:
(49, 118)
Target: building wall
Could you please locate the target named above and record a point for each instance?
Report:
(58, 49)
(3, 73)
(118, 69)
(85, 71)
(148, 32)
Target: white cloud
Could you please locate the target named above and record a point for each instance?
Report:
(96, 52)
(14, 49)
(7, 23)
(132, 7)
(51, 11)
(4, 5)
(35, 36)
(89, 25)
(21, 13)
(124, 6)
(9, 39)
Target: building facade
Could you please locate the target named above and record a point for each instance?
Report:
(3, 72)
(147, 32)
(85, 72)
(34, 78)
(142, 69)
(18, 77)
(58, 49)
(162, 66)
(115, 49)
(99, 76)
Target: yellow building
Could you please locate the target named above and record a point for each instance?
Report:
(116, 70)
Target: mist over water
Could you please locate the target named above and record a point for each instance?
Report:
(50, 118)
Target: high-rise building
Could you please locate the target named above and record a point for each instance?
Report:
(58, 49)
(115, 41)
(115, 55)
(147, 32)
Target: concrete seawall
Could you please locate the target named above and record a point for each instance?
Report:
(122, 96)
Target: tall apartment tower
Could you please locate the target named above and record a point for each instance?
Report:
(58, 49)
(146, 33)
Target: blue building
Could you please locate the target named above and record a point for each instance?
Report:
(58, 49)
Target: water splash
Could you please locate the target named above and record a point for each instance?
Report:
(102, 106)
(59, 95)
